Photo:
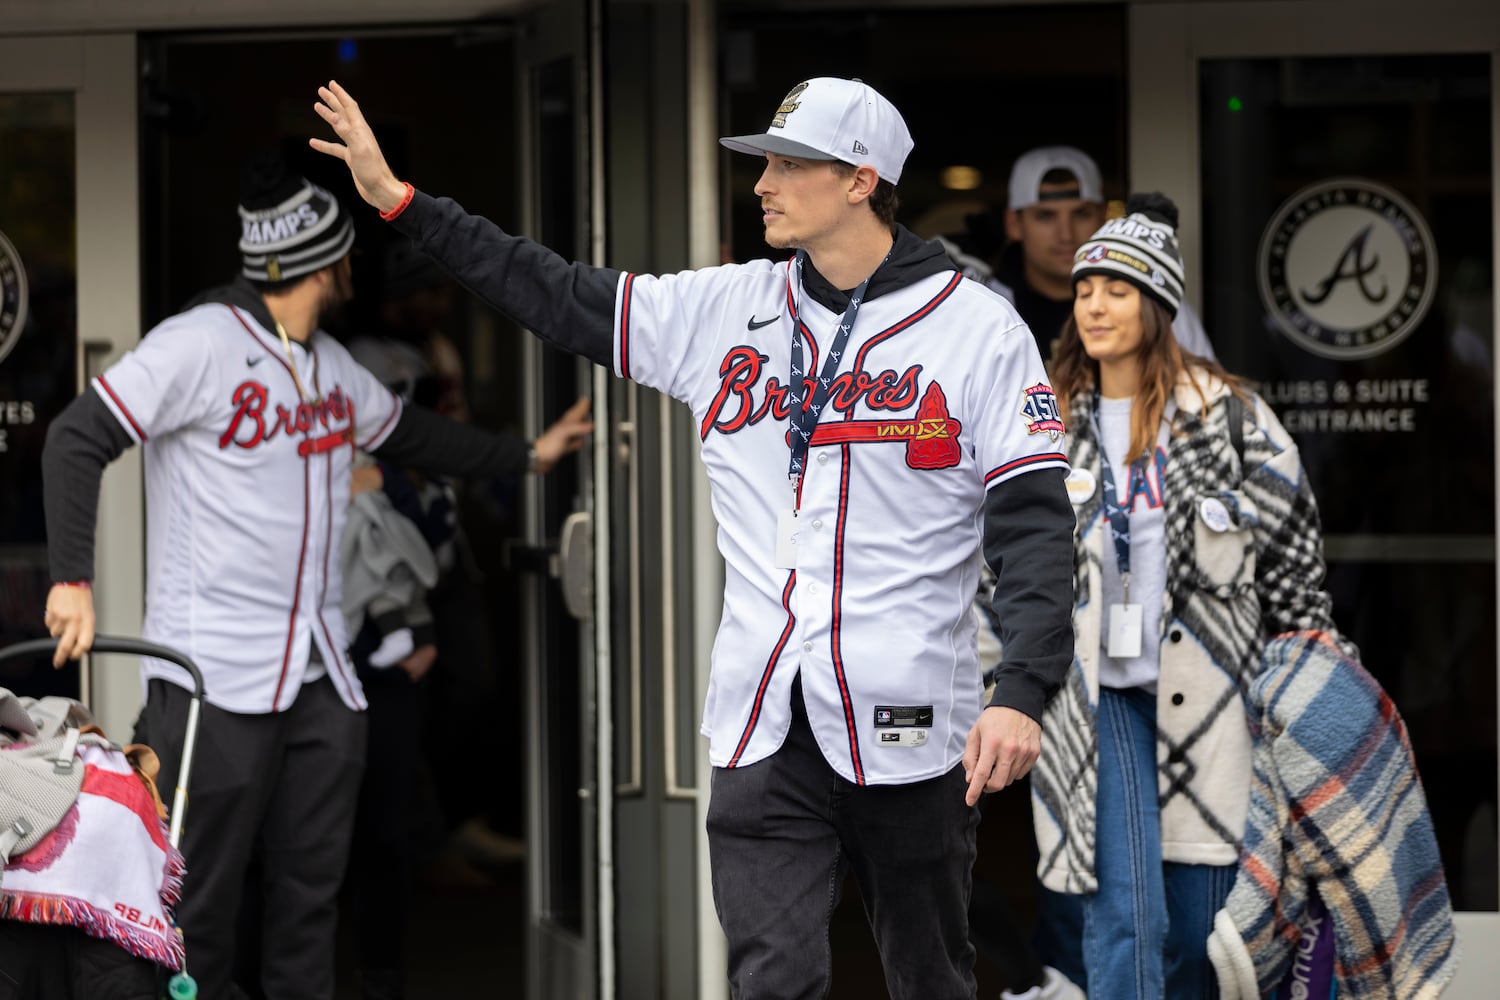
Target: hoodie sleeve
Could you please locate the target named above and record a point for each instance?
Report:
(571, 306)
(1028, 542)
(81, 441)
(434, 444)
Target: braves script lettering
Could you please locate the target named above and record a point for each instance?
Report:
(742, 401)
(251, 426)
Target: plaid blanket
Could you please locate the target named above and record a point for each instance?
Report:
(1336, 805)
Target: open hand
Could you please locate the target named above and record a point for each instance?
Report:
(358, 149)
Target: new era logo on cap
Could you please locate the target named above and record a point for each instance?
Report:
(827, 118)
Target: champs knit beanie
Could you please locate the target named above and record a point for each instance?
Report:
(1140, 247)
(289, 227)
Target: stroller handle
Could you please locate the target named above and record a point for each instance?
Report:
(122, 644)
(110, 644)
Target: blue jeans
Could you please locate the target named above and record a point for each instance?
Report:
(1145, 931)
(783, 833)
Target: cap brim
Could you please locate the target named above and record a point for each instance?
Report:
(760, 144)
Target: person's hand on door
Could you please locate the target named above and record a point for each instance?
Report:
(564, 437)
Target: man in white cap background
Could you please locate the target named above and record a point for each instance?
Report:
(865, 415)
(1055, 201)
(249, 415)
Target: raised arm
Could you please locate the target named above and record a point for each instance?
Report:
(569, 305)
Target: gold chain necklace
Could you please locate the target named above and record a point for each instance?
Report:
(286, 345)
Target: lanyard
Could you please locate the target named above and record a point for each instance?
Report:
(804, 416)
(1119, 518)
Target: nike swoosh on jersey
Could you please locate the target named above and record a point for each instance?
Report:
(756, 324)
(254, 359)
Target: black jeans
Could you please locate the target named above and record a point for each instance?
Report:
(782, 834)
(278, 787)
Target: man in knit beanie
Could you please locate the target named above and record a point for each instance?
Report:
(249, 416)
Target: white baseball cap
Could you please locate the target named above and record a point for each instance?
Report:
(826, 118)
(1026, 176)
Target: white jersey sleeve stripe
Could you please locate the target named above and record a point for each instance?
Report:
(1046, 460)
(118, 408)
(622, 342)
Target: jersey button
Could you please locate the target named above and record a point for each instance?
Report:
(823, 459)
(812, 590)
(807, 647)
(818, 525)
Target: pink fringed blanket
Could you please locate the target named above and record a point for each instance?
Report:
(107, 868)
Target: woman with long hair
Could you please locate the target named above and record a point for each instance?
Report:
(1197, 538)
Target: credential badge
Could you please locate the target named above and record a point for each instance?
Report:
(1347, 268)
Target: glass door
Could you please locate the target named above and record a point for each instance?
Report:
(1352, 277)
(1337, 173)
(69, 304)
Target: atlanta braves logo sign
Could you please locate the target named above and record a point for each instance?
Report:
(1348, 268)
(12, 297)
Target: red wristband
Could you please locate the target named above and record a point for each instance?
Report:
(388, 216)
(85, 584)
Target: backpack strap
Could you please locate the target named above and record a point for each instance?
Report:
(1236, 416)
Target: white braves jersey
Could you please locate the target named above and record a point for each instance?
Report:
(246, 492)
(940, 396)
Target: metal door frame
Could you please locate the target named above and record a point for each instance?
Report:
(559, 963)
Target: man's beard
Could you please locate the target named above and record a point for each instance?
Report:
(337, 295)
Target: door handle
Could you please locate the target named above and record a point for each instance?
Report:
(576, 564)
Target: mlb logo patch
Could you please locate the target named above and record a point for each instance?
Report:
(882, 717)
